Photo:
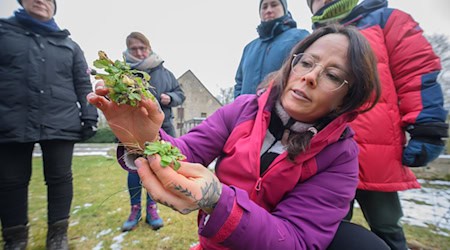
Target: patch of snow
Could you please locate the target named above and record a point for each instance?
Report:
(428, 206)
(99, 246)
(116, 245)
(73, 223)
(104, 232)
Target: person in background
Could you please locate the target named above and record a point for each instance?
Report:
(287, 165)
(411, 101)
(277, 35)
(139, 55)
(43, 84)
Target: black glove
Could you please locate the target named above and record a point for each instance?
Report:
(89, 128)
(425, 144)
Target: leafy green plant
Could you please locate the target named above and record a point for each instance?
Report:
(170, 155)
(126, 85)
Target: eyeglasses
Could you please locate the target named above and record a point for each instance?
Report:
(136, 49)
(329, 79)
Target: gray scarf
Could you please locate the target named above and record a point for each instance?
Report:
(152, 61)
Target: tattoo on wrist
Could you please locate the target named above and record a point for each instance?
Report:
(210, 195)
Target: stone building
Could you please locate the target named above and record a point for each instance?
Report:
(199, 103)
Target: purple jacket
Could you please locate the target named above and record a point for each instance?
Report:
(291, 206)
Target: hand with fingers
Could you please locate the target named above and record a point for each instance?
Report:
(133, 126)
(190, 188)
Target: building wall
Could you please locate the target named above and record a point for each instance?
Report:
(199, 103)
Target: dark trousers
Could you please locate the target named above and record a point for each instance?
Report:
(350, 236)
(15, 174)
(382, 211)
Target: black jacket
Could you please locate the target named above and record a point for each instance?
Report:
(43, 85)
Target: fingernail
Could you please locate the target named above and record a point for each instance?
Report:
(139, 162)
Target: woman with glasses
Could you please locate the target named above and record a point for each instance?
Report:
(287, 164)
(139, 55)
(277, 34)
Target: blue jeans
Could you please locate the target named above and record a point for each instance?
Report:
(135, 190)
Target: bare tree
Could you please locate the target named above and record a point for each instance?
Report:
(441, 47)
(226, 95)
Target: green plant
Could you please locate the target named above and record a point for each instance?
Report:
(170, 155)
(126, 85)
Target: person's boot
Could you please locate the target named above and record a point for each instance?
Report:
(57, 235)
(15, 238)
(133, 219)
(153, 218)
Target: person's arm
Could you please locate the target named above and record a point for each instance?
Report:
(176, 94)
(414, 69)
(197, 145)
(83, 86)
(238, 80)
(239, 76)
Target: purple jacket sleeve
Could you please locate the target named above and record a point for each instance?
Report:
(204, 142)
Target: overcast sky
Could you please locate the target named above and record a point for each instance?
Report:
(205, 36)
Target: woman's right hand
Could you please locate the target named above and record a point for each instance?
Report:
(133, 126)
(187, 189)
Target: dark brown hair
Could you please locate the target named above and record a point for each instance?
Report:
(363, 93)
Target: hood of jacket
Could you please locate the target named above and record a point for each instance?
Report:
(270, 29)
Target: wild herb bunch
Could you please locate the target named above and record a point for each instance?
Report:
(170, 155)
(126, 85)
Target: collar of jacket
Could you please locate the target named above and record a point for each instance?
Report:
(13, 24)
(270, 29)
(331, 133)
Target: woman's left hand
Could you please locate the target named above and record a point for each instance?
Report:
(133, 126)
(191, 187)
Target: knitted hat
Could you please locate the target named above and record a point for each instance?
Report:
(54, 2)
(283, 2)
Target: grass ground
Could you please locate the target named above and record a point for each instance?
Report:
(101, 204)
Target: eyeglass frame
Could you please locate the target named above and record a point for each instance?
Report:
(140, 48)
(294, 63)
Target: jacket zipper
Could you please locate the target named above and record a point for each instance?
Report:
(258, 185)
